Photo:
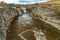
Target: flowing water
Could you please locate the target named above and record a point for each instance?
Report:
(24, 27)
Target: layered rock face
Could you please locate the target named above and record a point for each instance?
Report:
(6, 16)
(50, 15)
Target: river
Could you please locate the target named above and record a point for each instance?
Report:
(25, 27)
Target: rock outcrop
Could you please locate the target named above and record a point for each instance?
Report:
(6, 16)
(47, 18)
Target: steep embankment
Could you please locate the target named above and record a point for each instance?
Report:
(6, 16)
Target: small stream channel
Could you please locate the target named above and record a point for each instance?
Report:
(24, 27)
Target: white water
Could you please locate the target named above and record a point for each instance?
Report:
(19, 11)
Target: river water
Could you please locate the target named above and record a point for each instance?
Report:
(24, 28)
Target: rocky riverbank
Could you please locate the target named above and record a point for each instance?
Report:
(6, 16)
(48, 13)
(44, 16)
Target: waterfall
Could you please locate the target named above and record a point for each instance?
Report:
(24, 9)
(19, 11)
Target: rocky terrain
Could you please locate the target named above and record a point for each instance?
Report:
(6, 16)
(43, 23)
(48, 13)
(47, 16)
